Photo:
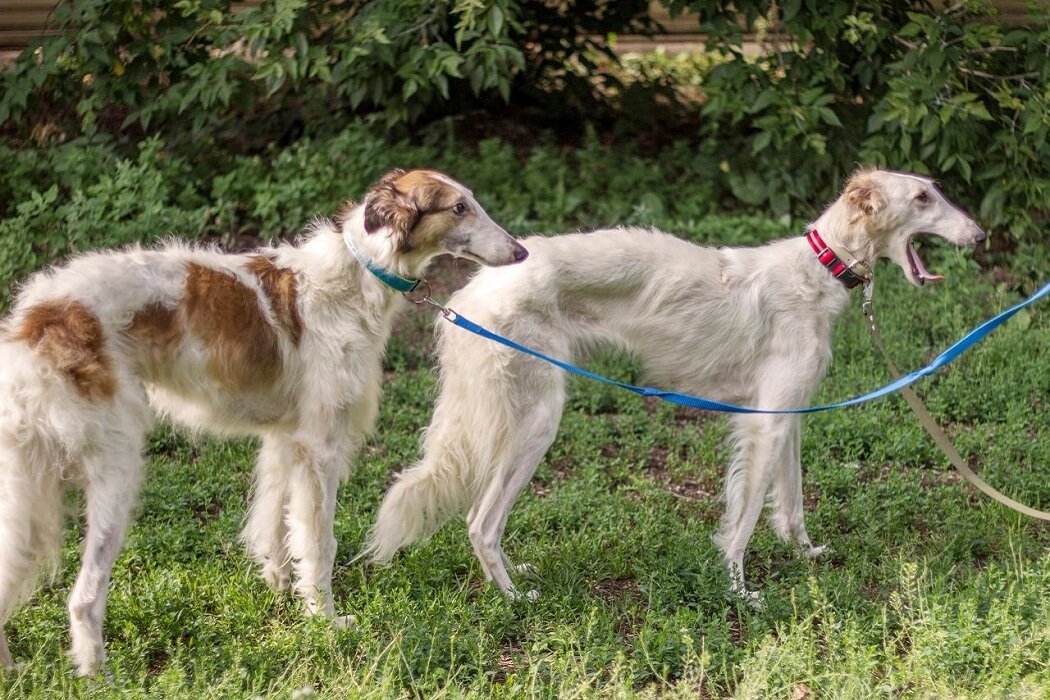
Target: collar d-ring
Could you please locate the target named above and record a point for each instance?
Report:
(420, 293)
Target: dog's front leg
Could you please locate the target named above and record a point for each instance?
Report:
(787, 516)
(265, 529)
(760, 440)
(312, 491)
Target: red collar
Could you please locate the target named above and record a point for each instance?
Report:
(839, 270)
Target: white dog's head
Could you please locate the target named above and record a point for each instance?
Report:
(885, 210)
(428, 213)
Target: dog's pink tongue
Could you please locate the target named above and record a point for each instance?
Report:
(920, 269)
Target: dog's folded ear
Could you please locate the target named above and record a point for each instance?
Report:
(862, 194)
(387, 206)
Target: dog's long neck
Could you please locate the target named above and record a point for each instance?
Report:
(336, 279)
(845, 232)
(848, 239)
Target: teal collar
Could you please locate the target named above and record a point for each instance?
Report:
(390, 279)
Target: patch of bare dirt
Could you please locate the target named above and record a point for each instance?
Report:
(685, 488)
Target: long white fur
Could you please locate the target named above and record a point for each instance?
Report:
(323, 405)
(744, 325)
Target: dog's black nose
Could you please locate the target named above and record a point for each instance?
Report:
(520, 254)
(980, 236)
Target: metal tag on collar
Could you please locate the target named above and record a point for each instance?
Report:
(867, 278)
(867, 307)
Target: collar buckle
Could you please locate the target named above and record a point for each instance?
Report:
(848, 275)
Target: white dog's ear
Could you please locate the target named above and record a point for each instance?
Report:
(863, 195)
(387, 206)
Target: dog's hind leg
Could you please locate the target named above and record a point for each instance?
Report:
(265, 529)
(488, 518)
(787, 515)
(30, 530)
(112, 481)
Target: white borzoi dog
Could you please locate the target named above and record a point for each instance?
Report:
(745, 325)
(282, 343)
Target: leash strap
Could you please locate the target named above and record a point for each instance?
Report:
(968, 341)
(937, 433)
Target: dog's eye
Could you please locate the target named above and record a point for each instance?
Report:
(459, 208)
(922, 197)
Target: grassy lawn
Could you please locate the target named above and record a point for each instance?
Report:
(930, 590)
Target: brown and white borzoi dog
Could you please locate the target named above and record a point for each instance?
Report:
(745, 325)
(283, 343)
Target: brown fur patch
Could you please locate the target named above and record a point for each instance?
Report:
(280, 286)
(386, 205)
(862, 193)
(70, 336)
(224, 315)
(414, 206)
(157, 334)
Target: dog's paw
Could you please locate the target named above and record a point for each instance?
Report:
(86, 661)
(516, 596)
(344, 622)
(753, 599)
(526, 569)
(814, 551)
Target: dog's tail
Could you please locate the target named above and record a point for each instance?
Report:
(433, 490)
(418, 503)
(463, 450)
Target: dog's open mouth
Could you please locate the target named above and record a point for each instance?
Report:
(918, 269)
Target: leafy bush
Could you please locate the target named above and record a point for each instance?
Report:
(87, 207)
(74, 197)
(151, 63)
(164, 66)
(953, 93)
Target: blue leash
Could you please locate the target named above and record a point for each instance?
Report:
(969, 340)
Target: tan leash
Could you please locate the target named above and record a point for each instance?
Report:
(930, 424)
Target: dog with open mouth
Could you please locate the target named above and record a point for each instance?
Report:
(749, 325)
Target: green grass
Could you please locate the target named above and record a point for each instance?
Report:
(930, 590)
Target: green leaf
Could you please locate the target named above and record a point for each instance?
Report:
(495, 18)
(764, 99)
(829, 116)
(761, 142)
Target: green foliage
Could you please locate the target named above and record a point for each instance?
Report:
(953, 93)
(155, 66)
(88, 204)
(163, 65)
(84, 195)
